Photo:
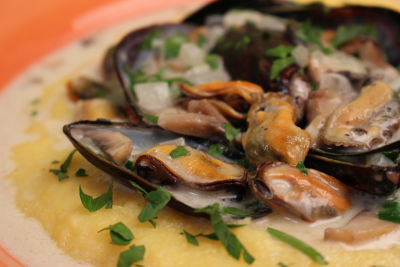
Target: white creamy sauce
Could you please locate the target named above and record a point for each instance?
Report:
(15, 227)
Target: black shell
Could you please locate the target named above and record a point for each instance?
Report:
(147, 136)
(126, 57)
(354, 171)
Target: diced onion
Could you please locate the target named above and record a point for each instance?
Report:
(191, 55)
(153, 97)
(340, 61)
(263, 22)
(300, 53)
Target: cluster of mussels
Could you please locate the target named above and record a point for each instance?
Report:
(231, 110)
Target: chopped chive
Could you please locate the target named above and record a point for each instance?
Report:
(298, 244)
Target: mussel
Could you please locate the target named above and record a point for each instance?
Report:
(143, 155)
(312, 195)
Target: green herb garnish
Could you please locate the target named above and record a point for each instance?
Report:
(157, 200)
(224, 234)
(173, 44)
(392, 155)
(236, 212)
(212, 61)
(279, 64)
(280, 51)
(95, 204)
(130, 256)
(216, 149)
(62, 172)
(129, 165)
(191, 238)
(81, 173)
(281, 264)
(119, 233)
(390, 211)
(311, 34)
(302, 168)
(179, 151)
(298, 244)
(151, 118)
(148, 40)
(301, 72)
(313, 86)
(34, 113)
(201, 40)
(230, 132)
(243, 42)
(345, 34)
(55, 162)
(35, 101)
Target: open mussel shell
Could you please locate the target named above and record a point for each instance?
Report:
(387, 21)
(127, 151)
(312, 195)
(372, 173)
(129, 57)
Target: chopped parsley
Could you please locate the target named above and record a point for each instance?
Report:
(119, 233)
(390, 211)
(281, 264)
(302, 168)
(191, 238)
(311, 34)
(298, 244)
(243, 42)
(81, 173)
(151, 118)
(230, 132)
(279, 64)
(55, 162)
(157, 200)
(173, 44)
(212, 61)
(34, 113)
(129, 165)
(179, 151)
(231, 243)
(148, 40)
(345, 34)
(93, 204)
(216, 149)
(280, 51)
(301, 72)
(131, 255)
(62, 172)
(35, 101)
(201, 40)
(392, 155)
